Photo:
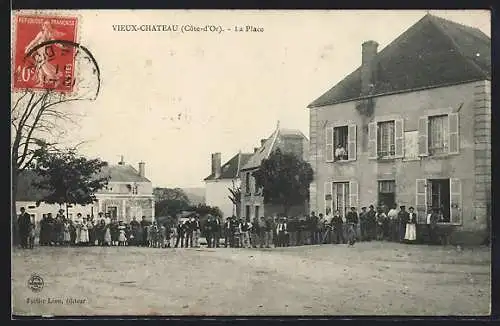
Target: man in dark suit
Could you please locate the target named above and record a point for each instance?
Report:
(217, 229)
(180, 234)
(24, 222)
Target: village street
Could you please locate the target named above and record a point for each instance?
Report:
(370, 278)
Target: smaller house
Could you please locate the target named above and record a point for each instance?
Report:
(223, 178)
(128, 194)
(252, 199)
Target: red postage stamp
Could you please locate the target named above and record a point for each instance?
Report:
(43, 55)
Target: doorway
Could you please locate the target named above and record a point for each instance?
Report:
(387, 193)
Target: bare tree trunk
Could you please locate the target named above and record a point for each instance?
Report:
(14, 178)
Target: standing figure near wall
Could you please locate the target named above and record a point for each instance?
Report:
(411, 226)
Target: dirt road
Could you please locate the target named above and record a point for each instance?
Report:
(370, 278)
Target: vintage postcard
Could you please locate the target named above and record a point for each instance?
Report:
(251, 162)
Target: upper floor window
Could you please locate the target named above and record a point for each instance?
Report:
(438, 135)
(386, 139)
(386, 146)
(340, 140)
(341, 143)
(135, 189)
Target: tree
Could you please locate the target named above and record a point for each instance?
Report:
(170, 207)
(235, 198)
(170, 194)
(285, 179)
(170, 201)
(39, 116)
(68, 177)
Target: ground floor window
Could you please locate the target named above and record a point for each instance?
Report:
(387, 193)
(438, 197)
(257, 211)
(341, 197)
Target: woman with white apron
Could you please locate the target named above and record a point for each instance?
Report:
(411, 226)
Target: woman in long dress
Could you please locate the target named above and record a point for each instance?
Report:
(411, 226)
(107, 234)
(84, 233)
(67, 235)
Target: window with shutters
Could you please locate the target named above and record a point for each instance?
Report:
(442, 195)
(386, 146)
(438, 135)
(340, 142)
(341, 197)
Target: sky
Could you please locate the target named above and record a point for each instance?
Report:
(171, 99)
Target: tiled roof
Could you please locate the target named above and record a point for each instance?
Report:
(123, 173)
(119, 173)
(270, 145)
(433, 52)
(230, 169)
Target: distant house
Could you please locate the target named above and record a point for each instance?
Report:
(415, 123)
(223, 178)
(252, 200)
(128, 194)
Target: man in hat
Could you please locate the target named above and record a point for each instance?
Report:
(363, 223)
(433, 220)
(402, 221)
(392, 216)
(24, 222)
(281, 231)
(196, 231)
(352, 222)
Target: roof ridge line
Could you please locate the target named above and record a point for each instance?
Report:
(239, 163)
(455, 45)
(273, 142)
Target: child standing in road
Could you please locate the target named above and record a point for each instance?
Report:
(122, 239)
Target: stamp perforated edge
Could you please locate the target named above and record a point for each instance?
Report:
(52, 13)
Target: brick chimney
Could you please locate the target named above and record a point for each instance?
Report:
(256, 149)
(142, 169)
(368, 53)
(216, 164)
(122, 162)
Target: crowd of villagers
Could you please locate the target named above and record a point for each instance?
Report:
(264, 232)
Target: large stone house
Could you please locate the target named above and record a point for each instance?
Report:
(223, 178)
(128, 194)
(252, 200)
(415, 122)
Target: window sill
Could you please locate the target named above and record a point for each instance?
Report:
(343, 161)
(387, 158)
(438, 156)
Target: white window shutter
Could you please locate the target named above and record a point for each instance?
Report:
(423, 136)
(399, 137)
(421, 200)
(329, 144)
(352, 142)
(328, 196)
(353, 194)
(453, 135)
(372, 140)
(455, 201)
